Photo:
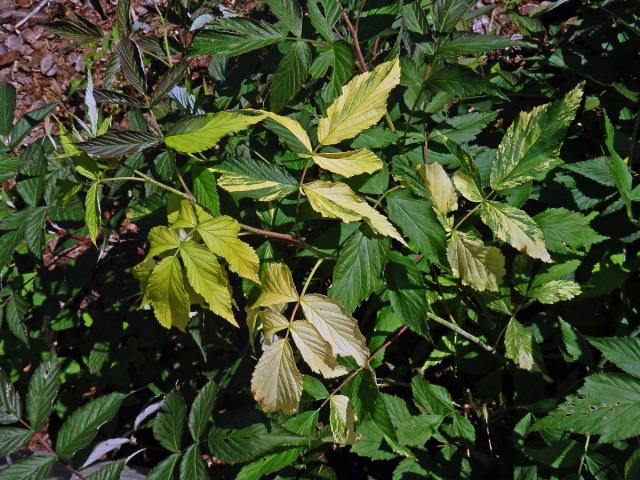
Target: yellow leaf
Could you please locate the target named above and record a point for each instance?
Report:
(342, 419)
(220, 235)
(276, 383)
(277, 286)
(361, 104)
(207, 278)
(161, 240)
(336, 326)
(272, 321)
(439, 185)
(476, 265)
(467, 187)
(167, 294)
(315, 351)
(292, 126)
(337, 200)
(349, 164)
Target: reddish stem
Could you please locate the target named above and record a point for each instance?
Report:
(356, 44)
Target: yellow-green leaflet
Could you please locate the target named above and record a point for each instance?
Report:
(440, 187)
(342, 419)
(272, 321)
(161, 240)
(337, 200)
(476, 265)
(315, 350)
(292, 126)
(220, 235)
(515, 227)
(467, 187)
(276, 383)
(197, 134)
(555, 291)
(349, 164)
(336, 326)
(361, 104)
(167, 294)
(92, 211)
(277, 286)
(207, 278)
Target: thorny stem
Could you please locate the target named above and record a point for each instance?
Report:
(361, 62)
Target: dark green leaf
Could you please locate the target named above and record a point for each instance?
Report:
(234, 36)
(12, 438)
(77, 29)
(173, 76)
(288, 12)
(7, 107)
(34, 230)
(431, 398)
(447, 13)
(108, 96)
(205, 189)
(14, 313)
(358, 272)
(116, 143)
(27, 123)
(623, 352)
(35, 467)
(474, 44)
(123, 17)
(82, 425)
(165, 469)
(323, 19)
(10, 406)
(201, 410)
(565, 230)
(42, 393)
(192, 466)
(112, 471)
(131, 64)
(170, 422)
(290, 75)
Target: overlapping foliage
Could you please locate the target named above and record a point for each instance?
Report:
(368, 240)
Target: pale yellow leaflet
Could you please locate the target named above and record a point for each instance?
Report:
(467, 187)
(342, 420)
(315, 351)
(361, 104)
(337, 200)
(440, 187)
(167, 294)
(276, 383)
(349, 164)
(277, 286)
(292, 126)
(272, 321)
(336, 326)
(476, 265)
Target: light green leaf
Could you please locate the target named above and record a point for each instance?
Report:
(161, 240)
(207, 278)
(342, 420)
(430, 398)
(167, 294)
(169, 424)
(520, 346)
(252, 179)
(532, 143)
(315, 351)
(358, 271)
(475, 264)
(336, 326)
(348, 164)
(440, 187)
(362, 103)
(277, 286)
(623, 352)
(555, 291)
(607, 405)
(276, 383)
(197, 134)
(467, 187)
(565, 230)
(515, 227)
(82, 425)
(92, 211)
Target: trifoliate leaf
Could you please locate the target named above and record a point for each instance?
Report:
(349, 164)
(197, 134)
(259, 180)
(277, 286)
(361, 104)
(555, 291)
(475, 264)
(272, 322)
(532, 143)
(515, 227)
(276, 383)
(167, 294)
(336, 326)
(337, 200)
(440, 187)
(342, 419)
(207, 278)
(565, 230)
(315, 351)
(220, 235)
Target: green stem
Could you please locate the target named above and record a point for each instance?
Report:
(165, 37)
